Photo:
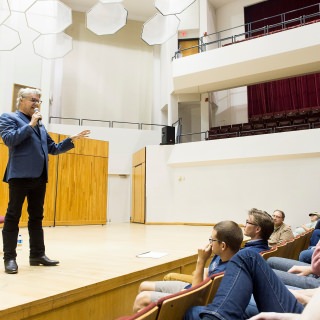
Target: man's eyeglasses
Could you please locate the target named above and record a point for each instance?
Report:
(254, 224)
(277, 217)
(33, 100)
(213, 240)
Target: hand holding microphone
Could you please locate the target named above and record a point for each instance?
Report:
(36, 110)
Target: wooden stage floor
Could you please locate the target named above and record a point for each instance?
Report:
(99, 273)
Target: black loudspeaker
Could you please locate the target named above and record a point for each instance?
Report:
(168, 135)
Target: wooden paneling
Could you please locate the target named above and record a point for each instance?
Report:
(189, 43)
(138, 186)
(82, 190)
(139, 157)
(89, 147)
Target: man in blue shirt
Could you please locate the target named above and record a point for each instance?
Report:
(259, 226)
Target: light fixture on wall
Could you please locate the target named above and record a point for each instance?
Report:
(159, 29)
(10, 38)
(50, 18)
(20, 6)
(106, 18)
(4, 10)
(167, 7)
(52, 46)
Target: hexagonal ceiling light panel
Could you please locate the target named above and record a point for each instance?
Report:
(49, 16)
(4, 10)
(159, 29)
(10, 38)
(20, 6)
(106, 18)
(52, 46)
(167, 7)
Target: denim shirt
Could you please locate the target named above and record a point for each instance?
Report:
(257, 245)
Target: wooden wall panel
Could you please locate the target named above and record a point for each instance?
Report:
(89, 147)
(138, 186)
(139, 157)
(81, 190)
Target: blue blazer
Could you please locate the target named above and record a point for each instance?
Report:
(28, 147)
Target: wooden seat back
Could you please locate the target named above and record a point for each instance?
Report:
(273, 252)
(216, 280)
(176, 305)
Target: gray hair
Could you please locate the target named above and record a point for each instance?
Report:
(25, 92)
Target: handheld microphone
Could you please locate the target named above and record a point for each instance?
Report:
(39, 120)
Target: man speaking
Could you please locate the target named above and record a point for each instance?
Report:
(27, 174)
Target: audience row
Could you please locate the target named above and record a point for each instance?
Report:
(262, 288)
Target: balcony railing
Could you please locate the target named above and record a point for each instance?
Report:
(287, 20)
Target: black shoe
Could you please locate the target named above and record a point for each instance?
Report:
(44, 260)
(10, 266)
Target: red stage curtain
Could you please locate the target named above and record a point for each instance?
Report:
(288, 94)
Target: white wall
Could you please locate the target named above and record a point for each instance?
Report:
(210, 181)
(110, 74)
(119, 195)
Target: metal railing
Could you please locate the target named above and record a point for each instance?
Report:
(204, 134)
(60, 118)
(248, 31)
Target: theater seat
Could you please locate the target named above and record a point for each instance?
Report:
(269, 253)
(216, 280)
(176, 305)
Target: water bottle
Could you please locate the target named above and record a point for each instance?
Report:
(20, 241)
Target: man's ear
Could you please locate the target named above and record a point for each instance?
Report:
(223, 245)
(258, 229)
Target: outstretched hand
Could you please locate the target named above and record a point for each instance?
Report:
(80, 135)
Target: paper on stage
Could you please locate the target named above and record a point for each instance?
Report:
(152, 254)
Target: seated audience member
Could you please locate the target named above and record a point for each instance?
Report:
(248, 273)
(259, 227)
(281, 232)
(295, 273)
(305, 255)
(315, 234)
(225, 241)
(314, 217)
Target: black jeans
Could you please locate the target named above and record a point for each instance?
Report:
(34, 189)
